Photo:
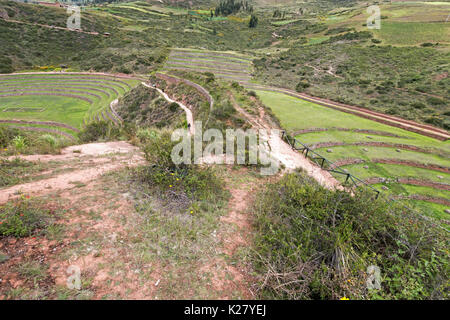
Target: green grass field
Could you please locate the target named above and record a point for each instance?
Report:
(413, 33)
(70, 99)
(404, 23)
(296, 115)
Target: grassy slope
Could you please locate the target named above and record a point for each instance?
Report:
(402, 80)
(313, 243)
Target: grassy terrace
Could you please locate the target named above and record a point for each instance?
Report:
(227, 65)
(314, 125)
(68, 99)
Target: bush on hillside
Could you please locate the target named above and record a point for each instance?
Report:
(182, 185)
(352, 36)
(100, 130)
(303, 84)
(7, 135)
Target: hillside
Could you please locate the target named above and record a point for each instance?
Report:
(225, 149)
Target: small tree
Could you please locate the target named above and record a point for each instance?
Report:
(253, 21)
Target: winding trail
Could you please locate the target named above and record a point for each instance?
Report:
(189, 116)
(277, 147)
(199, 88)
(112, 106)
(283, 152)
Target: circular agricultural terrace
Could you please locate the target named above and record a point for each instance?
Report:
(59, 103)
(403, 164)
(398, 165)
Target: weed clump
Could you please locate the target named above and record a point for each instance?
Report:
(23, 217)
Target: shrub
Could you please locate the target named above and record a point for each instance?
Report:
(303, 84)
(6, 65)
(7, 135)
(99, 130)
(224, 111)
(236, 85)
(210, 77)
(173, 106)
(253, 21)
(19, 143)
(418, 105)
(50, 140)
(435, 121)
(435, 101)
(313, 243)
(183, 185)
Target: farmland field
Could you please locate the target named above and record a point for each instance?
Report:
(226, 65)
(402, 23)
(407, 164)
(407, 33)
(65, 99)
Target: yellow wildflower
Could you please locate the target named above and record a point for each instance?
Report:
(344, 298)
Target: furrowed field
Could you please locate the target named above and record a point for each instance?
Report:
(395, 161)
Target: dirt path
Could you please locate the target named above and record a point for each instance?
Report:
(189, 116)
(112, 107)
(238, 217)
(102, 236)
(281, 151)
(95, 221)
(231, 277)
(109, 156)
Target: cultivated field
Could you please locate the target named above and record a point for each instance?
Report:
(404, 23)
(57, 101)
(395, 161)
(226, 65)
